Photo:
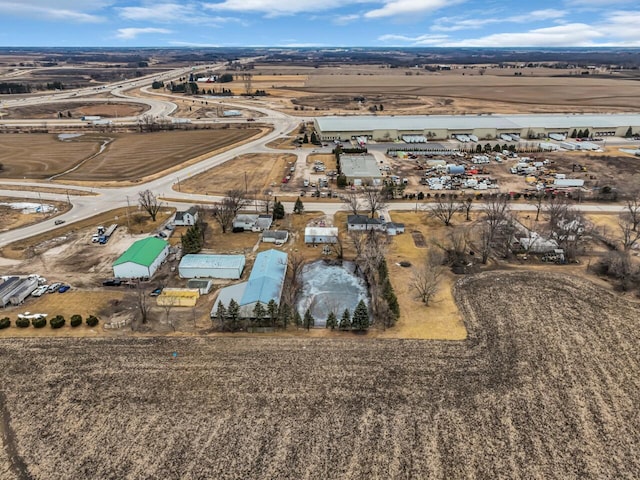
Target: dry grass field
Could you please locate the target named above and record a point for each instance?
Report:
(77, 110)
(544, 387)
(262, 172)
(459, 91)
(11, 218)
(126, 156)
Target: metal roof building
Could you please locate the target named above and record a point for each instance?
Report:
(211, 266)
(264, 284)
(359, 167)
(142, 259)
(483, 125)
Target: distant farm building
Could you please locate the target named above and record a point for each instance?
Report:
(211, 266)
(390, 128)
(265, 284)
(142, 259)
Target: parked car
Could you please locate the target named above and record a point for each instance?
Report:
(162, 235)
(156, 292)
(59, 222)
(53, 287)
(63, 288)
(113, 282)
(39, 291)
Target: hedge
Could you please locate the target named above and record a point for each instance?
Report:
(5, 323)
(76, 320)
(92, 321)
(57, 322)
(38, 322)
(22, 323)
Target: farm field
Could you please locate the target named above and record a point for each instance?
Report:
(261, 172)
(42, 155)
(540, 389)
(76, 109)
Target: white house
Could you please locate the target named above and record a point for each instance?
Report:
(186, 217)
(142, 259)
(364, 223)
(394, 228)
(317, 235)
(253, 222)
(211, 266)
(279, 237)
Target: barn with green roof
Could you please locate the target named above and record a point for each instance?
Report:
(142, 259)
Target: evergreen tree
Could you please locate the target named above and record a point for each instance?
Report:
(278, 210)
(478, 148)
(574, 134)
(629, 133)
(297, 319)
(392, 300)
(308, 320)
(497, 148)
(360, 317)
(298, 207)
(259, 312)
(341, 180)
(314, 138)
(192, 240)
(305, 139)
(233, 315)
(272, 311)
(580, 134)
(586, 133)
(345, 321)
(284, 314)
(221, 313)
(332, 321)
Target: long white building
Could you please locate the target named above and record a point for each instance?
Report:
(483, 126)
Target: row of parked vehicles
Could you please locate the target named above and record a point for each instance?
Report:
(54, 287)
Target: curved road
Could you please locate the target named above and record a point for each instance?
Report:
(110, 198)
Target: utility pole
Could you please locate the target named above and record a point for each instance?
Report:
(178, 178)
(128, 224)
(68, 199)
(246, 189)
(41, 205)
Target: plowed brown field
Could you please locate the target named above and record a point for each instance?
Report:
(546, 386)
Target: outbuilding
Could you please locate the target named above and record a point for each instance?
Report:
(315, 235)
(264, 284)
(211, 266)
(142, 259)
(178, 297)
(279, 237)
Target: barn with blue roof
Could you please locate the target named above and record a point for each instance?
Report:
(265, 284)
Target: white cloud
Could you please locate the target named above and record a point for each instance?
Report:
(132, 32)
(409, 7)
(171, 13)
(275, 7)
(572, 34)
(345, 19)
(419, 40)
(453, 24)
(622, 25)
(63, 11)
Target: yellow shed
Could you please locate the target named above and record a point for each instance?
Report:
(178, 297)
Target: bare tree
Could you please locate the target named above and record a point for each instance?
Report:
(167, 305)
(566, 226)
(338, 247)
(538, 201)
(426, 278)
(142, 302)
(444, 209)
(357, 238)
(633, 207)
(351, 199)
(247, 79)
(226, 210)
(374, 199)
(495, 214)
(466, 206)
(149, 203)
(629, 234)
(292, 280)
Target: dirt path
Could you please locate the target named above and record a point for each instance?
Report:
(103, 146)
(16, 463)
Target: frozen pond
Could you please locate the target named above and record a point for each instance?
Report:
(327, 288)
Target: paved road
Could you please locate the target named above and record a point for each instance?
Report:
(110, 198)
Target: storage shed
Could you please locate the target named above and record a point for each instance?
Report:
(211, 266)
(142, 259)
(178, 297)
(264, 284)
(316, 235)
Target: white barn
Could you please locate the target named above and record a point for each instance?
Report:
(211, 266)
(142, 259)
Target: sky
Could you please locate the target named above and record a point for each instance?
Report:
(299, 23)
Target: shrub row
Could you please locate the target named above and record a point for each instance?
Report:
(56, 322)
